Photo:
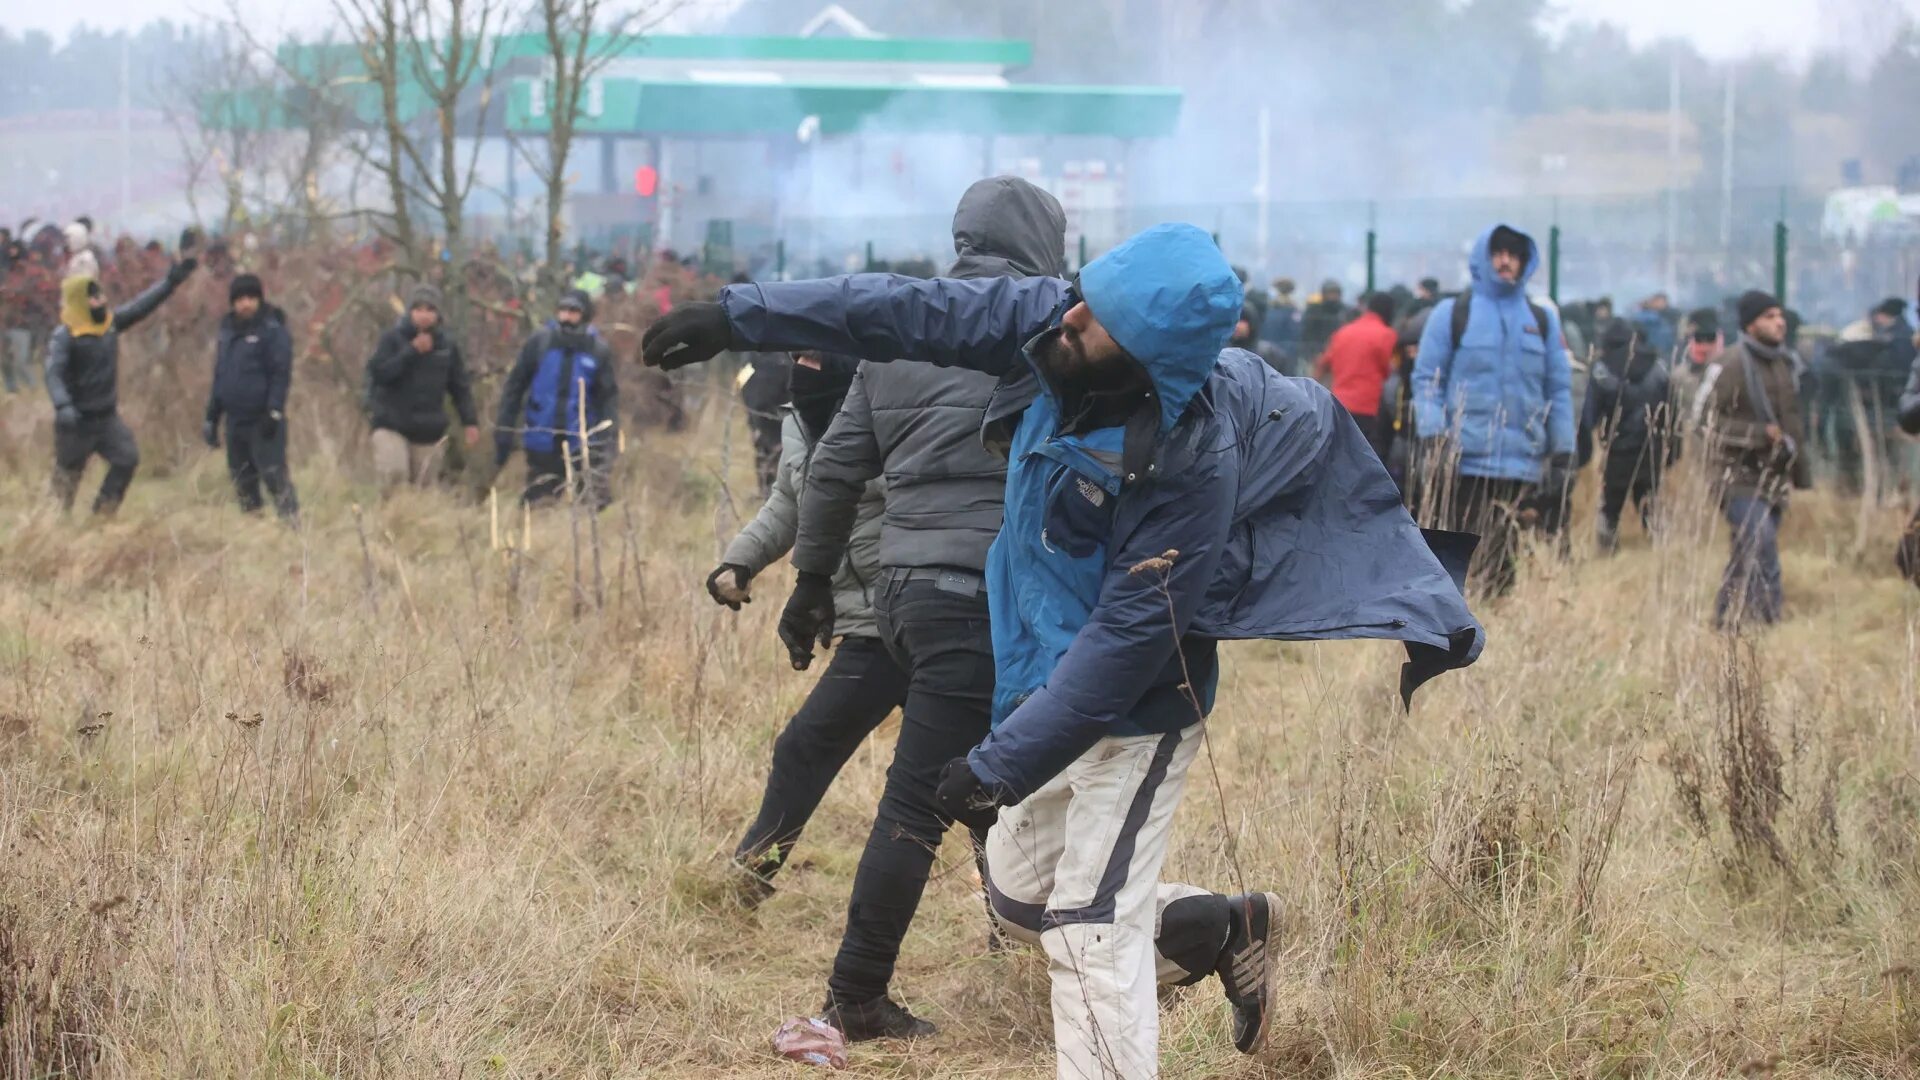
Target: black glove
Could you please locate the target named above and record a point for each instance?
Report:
(1559, 474)
(689, 334)
(733, 594)
(65, 416)
(270, 424)
(503, 447)
(808, 618)
(964, 798)
(189, 241)
(182, 270)
(210, 431)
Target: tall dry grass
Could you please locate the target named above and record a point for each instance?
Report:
(375, 799)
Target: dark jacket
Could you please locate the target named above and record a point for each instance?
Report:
(918, 425)
(252, 367)
(542, 397)
(1910, 401)
(1284, 522)
(83, 369)
(1317, 325)
(407, 391)
(1630, 404)
(1743, 461)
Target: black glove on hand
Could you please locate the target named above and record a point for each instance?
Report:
(182, 270)
(689, 334)
(729, 594)
(964, 798)
(503, 447)
(270, 424)
(65, 416)
(210, 431)
(1559, 473)
(189, 241)
(808, 618)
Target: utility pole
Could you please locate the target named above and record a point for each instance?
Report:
(1672, 275)
(126, 126)
(1726, 163)
(1263, 188)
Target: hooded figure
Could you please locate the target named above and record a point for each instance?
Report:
(1170, 495)
(83, 379)
(81, 261)
(1494, 387)
(918, 425)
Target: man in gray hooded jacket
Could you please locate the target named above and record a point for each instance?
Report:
(918, 426)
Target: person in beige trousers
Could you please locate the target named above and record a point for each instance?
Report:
(415, 369)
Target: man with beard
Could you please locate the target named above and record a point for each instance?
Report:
(252, 370)
(562, 399)
(1164, 492)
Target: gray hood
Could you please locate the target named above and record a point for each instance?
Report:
(1007, 227)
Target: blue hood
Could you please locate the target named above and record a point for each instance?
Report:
(1169, 298)
(1485, 281)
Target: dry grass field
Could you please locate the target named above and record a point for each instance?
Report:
(379, 799)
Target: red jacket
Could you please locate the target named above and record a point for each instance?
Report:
(1360, 355)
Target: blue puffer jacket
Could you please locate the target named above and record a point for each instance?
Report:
(1284, 523)
(542, 396)
(1506, 393)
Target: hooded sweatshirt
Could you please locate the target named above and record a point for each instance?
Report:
(1226, 502)
(1505, 395)
(919, 425)
(83, 355)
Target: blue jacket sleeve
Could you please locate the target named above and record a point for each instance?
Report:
(1559, 387)
(1127, 641)
(978, 324)
(1432, 370)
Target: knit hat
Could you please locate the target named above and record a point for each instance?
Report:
(424, 295)
(1892, 307)
(245, 285)
(1753, 304)
(579, 301)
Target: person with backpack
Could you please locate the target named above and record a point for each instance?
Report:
(1630, 411)
(561, 405)
(415, 368)
(252, 370)
(1493, 401)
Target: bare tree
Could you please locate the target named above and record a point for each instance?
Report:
(211, 99)
(580, 38)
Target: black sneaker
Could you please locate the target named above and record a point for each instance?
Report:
(1246, 967)
(881, 1018)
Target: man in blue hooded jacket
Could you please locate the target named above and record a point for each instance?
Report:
(1164, 493)
(1493, 401)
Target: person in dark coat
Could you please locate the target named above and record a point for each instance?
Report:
(1630, 411)
(561, 405)
(1907, 552)
(252, 369)
(1397, 436)
(1164, 493)
(415, 368)
(764, 393)
(1325, 313)
(1280, 327)
(83, 380)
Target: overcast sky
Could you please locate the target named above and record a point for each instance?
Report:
(1719, 27)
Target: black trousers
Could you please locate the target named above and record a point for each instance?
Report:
(860, 687)
(1639, 483)
(1488, 507)
(107, 436)
(254, 458)
(547, 474)
(943, 640)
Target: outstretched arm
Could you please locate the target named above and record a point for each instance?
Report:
(881, 317)
(129, 314)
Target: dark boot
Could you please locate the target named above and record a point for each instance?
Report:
(881, 1018)
(1246, 968)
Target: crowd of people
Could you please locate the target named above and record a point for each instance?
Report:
(1025, 509)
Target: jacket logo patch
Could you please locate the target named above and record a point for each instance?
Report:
(1534, 330)
(1091, 491)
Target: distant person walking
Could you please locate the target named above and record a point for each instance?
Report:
(83, 380)
(1630, 410)
(1750, 400)
(252, 371)
(1358, 360)
(415, 369)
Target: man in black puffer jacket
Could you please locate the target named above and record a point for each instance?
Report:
(83, 380)
(415, 368)
(252, 367)
(1630, 408)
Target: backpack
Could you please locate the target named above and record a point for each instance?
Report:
(1463, 303)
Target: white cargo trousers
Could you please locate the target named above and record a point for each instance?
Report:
(1076, 868)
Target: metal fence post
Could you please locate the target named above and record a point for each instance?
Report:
(1083, 251)
(1780, 252)
(780, 259)
(1553, 265)
(869, 256)
(1373, 243)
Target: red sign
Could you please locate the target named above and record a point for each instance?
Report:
(646, 181)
